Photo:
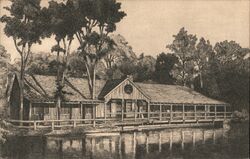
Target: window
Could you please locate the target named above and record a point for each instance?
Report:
(128, 89)
(220, 108)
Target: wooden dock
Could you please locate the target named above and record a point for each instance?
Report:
(156, 120)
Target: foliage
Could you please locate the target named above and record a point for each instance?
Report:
(25, 27)
(204, 51)
(96, 19)
(241, 116)
(4, 126)
(145, 68)
(163, 67)
(42, 63)
(4, 64)
(119, 53)
(231, 71)
(221, 72)
(183, 47)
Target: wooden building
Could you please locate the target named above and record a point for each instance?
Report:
(120, 99)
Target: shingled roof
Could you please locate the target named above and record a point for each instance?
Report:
(175, 94)
(42, 88)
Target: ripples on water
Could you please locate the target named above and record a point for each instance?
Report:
(192, 143)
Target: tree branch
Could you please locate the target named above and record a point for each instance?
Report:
(19, 51)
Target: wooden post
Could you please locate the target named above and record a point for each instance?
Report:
(171, 112)
(148, 111)
(195, 113)
(105, 112)
(134, 143)
(160, 112)
(74, 124)
(120, 146)
(182, 140)
(204, 135)
(94, 115)
(214, 137)
(171, 140)
(183, 112)
(34, 125)
(215, 111)
(82, 113)
(122, 109)
(135, 108)
(225, 112)
(30, 111)
(147, 143)
(53, 125)
(193, 135)
(159, 141)
(81, 110)
(208, 109)
(93, 144)
(205, 111)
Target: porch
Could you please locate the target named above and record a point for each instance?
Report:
(122, 113)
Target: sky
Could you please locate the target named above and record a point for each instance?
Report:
(150, 24)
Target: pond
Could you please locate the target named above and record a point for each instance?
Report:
(230, 142)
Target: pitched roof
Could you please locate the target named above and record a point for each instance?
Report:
(109, 86)
(175, 94)
(40, 87)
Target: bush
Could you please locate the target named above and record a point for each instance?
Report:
(241, 116)
(3, 130)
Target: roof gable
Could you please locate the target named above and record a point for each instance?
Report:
(115, 89)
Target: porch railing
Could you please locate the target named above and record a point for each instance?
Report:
(143, 117)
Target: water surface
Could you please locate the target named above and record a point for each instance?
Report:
(231, 142)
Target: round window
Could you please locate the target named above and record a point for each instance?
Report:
(128, 89)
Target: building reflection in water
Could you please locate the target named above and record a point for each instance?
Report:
(131, 145)
(134, 145)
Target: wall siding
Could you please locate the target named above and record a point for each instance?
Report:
(119, 93)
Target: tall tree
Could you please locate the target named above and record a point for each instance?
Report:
(24, 26)
(96, 18)
(163, 67)
(62, 24)
(203, 52)
(231, 71)
(183, 46)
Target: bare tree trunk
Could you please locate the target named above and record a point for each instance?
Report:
(21, 89)
(201, 80)
(93, 83)
(58, 101)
